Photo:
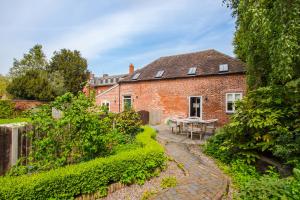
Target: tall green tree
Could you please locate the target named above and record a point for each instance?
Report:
(33, 85)
(35, 59)
(267, 39)
(72, 66)
(267, 119)
(29, 78)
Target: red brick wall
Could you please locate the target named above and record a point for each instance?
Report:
(26, 104)
(100, 89)
(167, 98)
(112, 96)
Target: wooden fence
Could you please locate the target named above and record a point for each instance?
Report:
(13, 145)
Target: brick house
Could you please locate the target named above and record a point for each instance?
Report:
(101, 84)
(203, 84)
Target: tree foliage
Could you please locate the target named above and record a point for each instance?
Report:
(72, 67)
(35, 59)
(6, 109)
(266, 122)
(267, 38)
(33, 78)
(3, 85)
(33, 85)
(267, 119)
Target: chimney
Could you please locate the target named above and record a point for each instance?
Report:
(131, 68)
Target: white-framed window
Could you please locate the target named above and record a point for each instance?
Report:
(230, 101)
(106, 104)
(127, 102)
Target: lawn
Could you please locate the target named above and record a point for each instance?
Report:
(14, 120)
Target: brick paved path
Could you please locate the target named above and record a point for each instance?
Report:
(203, 181)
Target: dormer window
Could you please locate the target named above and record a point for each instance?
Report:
(159, 74)
(192, 71)
(223, 67)
(136, 76)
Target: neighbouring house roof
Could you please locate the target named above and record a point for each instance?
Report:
(106, 80)
(179, 66)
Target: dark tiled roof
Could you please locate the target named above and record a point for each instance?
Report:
(107, 80)
(177, 66)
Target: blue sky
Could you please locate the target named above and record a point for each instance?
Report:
(112, 34)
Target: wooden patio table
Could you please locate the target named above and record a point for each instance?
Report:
(196, 122)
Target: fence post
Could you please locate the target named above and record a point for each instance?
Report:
(14, 145)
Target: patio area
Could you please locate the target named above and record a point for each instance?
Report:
(165, 133)
(204, 180)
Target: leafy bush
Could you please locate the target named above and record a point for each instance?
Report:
(128, 122)
(7, 108)
(79, 134)
(91, 176)
(270, 187)
(249, 183)
(218, 147)
(267, 120)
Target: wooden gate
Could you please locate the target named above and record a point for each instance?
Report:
(144, 116)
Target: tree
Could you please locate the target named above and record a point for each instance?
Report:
(33, 85)
(267, 39)
(3, 85)
(35, 59)
(29, 78)
(72, 67)
(267, 119)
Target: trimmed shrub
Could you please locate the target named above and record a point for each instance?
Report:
(132, 166)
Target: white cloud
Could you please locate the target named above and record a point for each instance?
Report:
(116, 29)
(26, 24)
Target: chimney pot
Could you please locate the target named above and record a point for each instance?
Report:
(131, 68)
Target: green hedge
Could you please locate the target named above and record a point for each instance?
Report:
(70, 181)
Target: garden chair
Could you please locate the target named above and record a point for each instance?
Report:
(173, 124)
(211, 125)
(196, 128)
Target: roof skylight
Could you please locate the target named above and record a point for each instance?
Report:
(159, 74)
(223, 67)
(135, 77)
(192, 71)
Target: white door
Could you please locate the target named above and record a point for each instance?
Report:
(195, 106)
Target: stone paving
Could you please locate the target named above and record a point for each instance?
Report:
(203, 181)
